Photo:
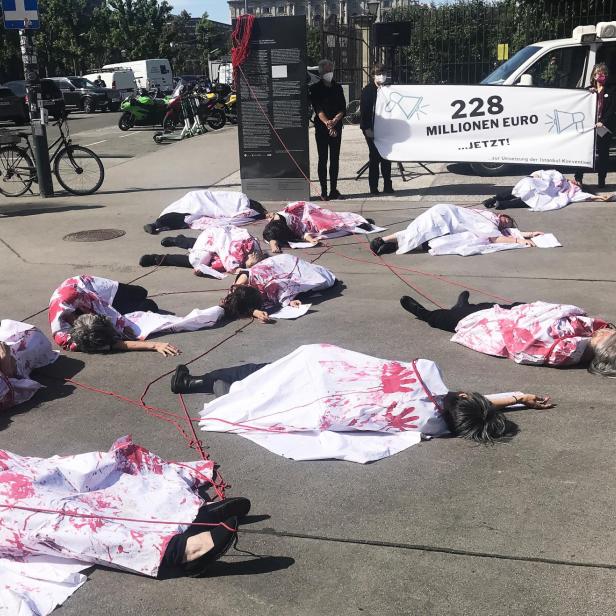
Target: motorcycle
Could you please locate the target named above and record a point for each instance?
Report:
(207, 105)
(142, 110)
(229, 100)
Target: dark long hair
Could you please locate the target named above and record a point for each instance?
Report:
(93, 333)
(277, 229)
(476, 418)
(257, 207)
(241, 301)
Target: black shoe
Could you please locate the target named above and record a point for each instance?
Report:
(601, 182)
(236, 507)
(375, 191)
(170, 241)
(366, 226)
(410, 305)
(180, 380)
(335, 194)
(151, 229)
(371, 221)
(389, 190)
(463, 298)
(150, 260)
(324, 196)
(500, 205)
(223, 539)
(491, 202)
(183, 383)
(386, 248)
(375, 244)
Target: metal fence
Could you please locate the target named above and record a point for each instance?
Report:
(457, 43)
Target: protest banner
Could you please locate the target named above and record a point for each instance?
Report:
(490, 124)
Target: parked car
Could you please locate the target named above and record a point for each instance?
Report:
(80, 93)
(52, 96)
(121, 80)
(12, 107)
(562, 63)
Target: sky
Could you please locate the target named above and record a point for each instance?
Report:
(218, 10)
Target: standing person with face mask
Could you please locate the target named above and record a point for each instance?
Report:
(329, 106)
(606, 120)
(367, 104)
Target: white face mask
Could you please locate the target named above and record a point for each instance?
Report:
(380, 79)
(327, 77)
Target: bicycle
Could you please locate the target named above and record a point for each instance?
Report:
(78, 169)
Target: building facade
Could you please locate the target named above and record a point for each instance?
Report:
(316, 11)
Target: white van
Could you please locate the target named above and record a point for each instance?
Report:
(150, 73)
(121, 80)
(562, 63)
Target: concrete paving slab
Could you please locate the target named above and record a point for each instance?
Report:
(548, 493)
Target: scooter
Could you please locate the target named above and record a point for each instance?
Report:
(187, 107)
(142, 110)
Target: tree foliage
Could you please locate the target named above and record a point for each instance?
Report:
(79, 35)
(457, 42)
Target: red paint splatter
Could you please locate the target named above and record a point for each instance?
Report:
(16, 486)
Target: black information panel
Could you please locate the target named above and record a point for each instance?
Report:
(276, 73)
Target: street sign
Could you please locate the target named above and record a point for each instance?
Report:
(21, 14)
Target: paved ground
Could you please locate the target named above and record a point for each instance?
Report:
(521, 528)
(99, 131)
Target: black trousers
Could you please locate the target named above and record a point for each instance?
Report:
(328, 146)
(375, 160)
(130, 297)
(173, 220)
(447, 318)
(603, 158)
(509, 200)
(219, 381)
(175, 261)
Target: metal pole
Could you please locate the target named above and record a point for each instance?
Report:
(39, 132)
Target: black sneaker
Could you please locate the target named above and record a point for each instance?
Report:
(335, 194)
(151, 229)
(149, 260)
(490, 203)
(375, 191)
(168, 242)
(375, 244)
(410, 305)
(389, 190)
(387, 248)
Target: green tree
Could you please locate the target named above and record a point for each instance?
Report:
(136, 28)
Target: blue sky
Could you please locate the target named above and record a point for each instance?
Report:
(216, 9)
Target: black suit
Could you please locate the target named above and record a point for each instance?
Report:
(366, 110)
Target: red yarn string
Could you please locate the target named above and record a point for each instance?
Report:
(76, 514)
(241, 41)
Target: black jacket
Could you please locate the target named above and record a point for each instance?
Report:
(608, 115)
(366, 106)
(328, 99)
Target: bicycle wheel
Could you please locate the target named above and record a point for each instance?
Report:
(352, 113)
(17, 171)
(79, 170)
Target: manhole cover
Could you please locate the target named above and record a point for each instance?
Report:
(94, 235)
